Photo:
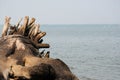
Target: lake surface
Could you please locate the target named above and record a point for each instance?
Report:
(91, 51)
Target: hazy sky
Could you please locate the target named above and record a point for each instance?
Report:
(63, 11)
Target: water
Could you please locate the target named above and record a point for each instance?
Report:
(91, 51)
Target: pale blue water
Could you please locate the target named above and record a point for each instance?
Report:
(91, 51)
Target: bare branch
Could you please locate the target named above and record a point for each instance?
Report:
(31, 32)
(36, 30)
(31, 21)
(17, 25)
(6, 26)
(42, 45)
(12, 30)
(22, 29)
(39, 36)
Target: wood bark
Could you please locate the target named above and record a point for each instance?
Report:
(32, 20)
(6, 26)
(28, 29)
(17, 25)
(22, 29)
(20, 58)
(43, 45)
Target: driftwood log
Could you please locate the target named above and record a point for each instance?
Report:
(21, 57)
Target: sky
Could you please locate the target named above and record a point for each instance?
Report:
(62, 11)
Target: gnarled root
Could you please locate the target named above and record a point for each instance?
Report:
(27, 29)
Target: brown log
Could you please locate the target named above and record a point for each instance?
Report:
(22, 29)
(21, 52)
(6, 26)
(31, 21)
(39, 36)
(12, 30)
(19, 71)
(30, 34)
(36, 30)
(43, 45)
(29, 26)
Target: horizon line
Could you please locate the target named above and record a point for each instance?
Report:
(75, 24)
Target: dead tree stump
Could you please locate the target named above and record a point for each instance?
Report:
(20, 58)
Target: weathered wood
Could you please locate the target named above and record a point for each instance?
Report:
(22, 29)
(42, 45)
(31, 32)
(20, 50)
(6, 26)
(32, 20)
(36, 30)
(39, 36)
(47, 55)
(12, 30)
(17, 25)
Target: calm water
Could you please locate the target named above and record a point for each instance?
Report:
(91, 51)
